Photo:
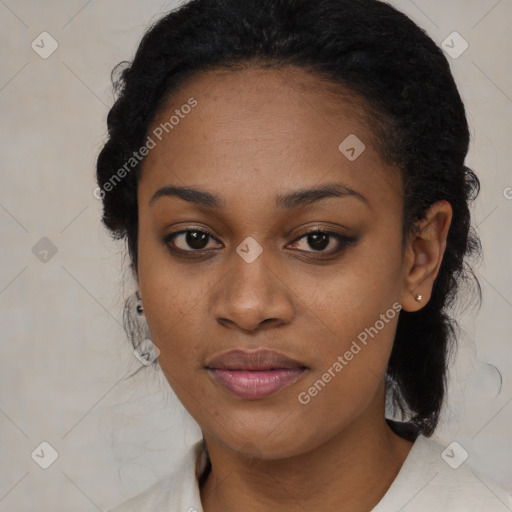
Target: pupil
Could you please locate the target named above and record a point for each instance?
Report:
(318, 241)
(196, 239)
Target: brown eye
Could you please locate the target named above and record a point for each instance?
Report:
(320, 240)
(189, 240)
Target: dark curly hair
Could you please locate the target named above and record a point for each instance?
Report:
(377, 53)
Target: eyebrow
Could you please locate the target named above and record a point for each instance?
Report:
(296, 199)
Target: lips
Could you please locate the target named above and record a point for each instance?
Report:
(255, 360)
(255, 374)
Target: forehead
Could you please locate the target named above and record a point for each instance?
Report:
(260, 131)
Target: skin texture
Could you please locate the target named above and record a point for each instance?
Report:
(256, 134)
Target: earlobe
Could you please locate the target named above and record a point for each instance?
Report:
(424, 255)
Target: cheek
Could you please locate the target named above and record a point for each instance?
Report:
(353, 294)
(353, 355)
(355, 312)
(170, 302)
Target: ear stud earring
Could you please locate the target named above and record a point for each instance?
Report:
(419, 298)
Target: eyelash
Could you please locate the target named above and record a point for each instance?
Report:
(343, 241)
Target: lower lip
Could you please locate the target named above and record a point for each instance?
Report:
(253, 384)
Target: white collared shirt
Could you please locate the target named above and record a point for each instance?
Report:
(425, 483)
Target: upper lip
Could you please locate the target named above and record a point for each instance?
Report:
(261, 359)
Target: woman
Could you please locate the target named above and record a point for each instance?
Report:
(289, 177)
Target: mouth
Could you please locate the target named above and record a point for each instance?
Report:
(256, 374)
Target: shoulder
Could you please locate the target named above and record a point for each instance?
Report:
(175, 491)
(435, 477)
(148, 499)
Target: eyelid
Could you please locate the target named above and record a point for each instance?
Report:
(314, 230)
(343, 240)
(167, 238)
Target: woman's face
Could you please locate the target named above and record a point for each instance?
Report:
(253, 139)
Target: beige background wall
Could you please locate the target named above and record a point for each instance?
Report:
(64, 357)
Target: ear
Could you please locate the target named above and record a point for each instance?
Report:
(424, 254)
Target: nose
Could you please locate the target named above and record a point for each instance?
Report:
(253, 296)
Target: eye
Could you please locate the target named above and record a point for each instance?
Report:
(319, 240)
(189, 240)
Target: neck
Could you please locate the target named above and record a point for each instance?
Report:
(355, 467)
